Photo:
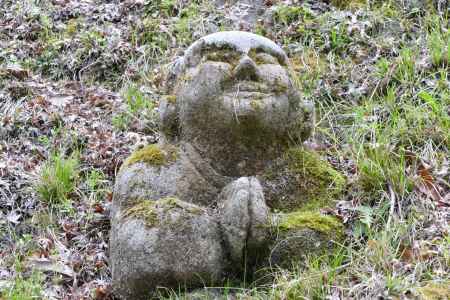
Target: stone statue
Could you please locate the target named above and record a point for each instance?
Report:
(199, 207)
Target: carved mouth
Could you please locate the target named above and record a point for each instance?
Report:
(244, 86)
(245, 89)
(249, 98)
(246, 103)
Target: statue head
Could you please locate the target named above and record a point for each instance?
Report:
(233, 92)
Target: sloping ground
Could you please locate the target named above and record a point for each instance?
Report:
(79, 86)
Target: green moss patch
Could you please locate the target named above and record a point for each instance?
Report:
(286, 14)
(172, 202)
(144, 210)
(153, 155)
(171, 99)
(328, 225)
(149, 210)
(318, 182)
(256, 105)
(222, 55)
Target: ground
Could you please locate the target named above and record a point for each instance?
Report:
(80, 82)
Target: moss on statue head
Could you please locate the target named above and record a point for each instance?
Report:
(153, 155)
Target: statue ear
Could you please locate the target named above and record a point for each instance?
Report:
(173, 72)
(168, 113)
(168, 108)
(302, 118)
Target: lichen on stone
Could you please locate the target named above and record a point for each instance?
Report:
(172, 99)
(256, 105)
(173, 202)
(279, 86)
(153, 155)
(148, 210)
(328, 225)
(222, 55)
(144, 210)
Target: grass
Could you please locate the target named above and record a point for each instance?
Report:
(313, 281)
(95, 180)
(136, 101)
(147, 34)
(58, 178)
(378, 139)
(381, 168)
(25, 288)
(97, 186)
(438, 41)
(139, 107)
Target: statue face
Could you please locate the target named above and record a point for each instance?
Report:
(234, 80)
(239, 73)
(235, 102)
(251, 83)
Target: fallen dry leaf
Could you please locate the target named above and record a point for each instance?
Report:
(101, 293)
(17, 71)
(426, 183)
(98, 208)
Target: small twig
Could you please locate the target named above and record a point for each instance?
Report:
(392, 204)
(383, 82)
(81, 72)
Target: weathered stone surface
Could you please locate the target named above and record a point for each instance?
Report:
(179, 174)
(195, 207)
(166, 243)
(243, 215)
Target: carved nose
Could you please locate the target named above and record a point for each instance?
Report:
(246, 69)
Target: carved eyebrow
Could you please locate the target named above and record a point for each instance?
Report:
(264, 58)
(224, 47)
(254, 52)
(222, 54)
(227, 53)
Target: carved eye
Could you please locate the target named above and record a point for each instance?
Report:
(222, 56)
(264, 58)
